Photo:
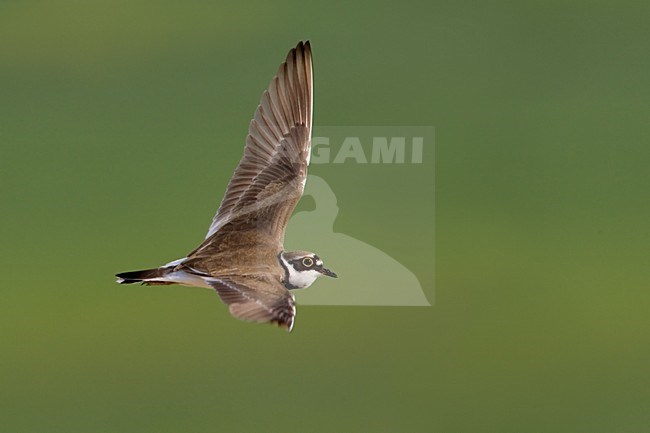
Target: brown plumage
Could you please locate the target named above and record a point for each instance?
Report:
(239, 256)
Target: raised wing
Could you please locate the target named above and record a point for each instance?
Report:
(270, 177)
(256, 298)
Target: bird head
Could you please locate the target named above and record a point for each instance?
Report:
(302, 268)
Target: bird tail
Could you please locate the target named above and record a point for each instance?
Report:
(149, 277)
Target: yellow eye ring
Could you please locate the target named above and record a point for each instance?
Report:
(307, 262)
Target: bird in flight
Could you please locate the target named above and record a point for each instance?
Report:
(242, 256)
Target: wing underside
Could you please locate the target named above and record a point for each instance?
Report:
(282, 124)
(256, 299)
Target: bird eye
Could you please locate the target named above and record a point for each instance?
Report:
(307, 262)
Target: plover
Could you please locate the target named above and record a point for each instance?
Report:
(242, 256)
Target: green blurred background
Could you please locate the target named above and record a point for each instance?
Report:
(121, 122)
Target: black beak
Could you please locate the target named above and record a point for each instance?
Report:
(327, 272)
